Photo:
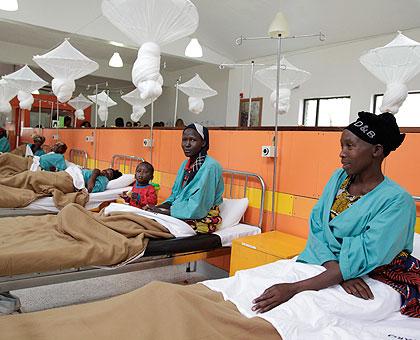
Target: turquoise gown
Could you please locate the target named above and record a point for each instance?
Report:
(4, 144)
(52, 159)
(100, 183)
(366, 235)
(195, 200)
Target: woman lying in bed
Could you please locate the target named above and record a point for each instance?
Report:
(198, 188)
(362, 221)
(12, 164)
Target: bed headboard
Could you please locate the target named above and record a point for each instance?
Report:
(240, 184)
(79, 157)
(125, 163)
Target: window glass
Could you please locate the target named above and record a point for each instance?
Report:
(326, 111)
(409, 112)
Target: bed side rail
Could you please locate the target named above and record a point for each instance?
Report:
(125, 163)
(79, 157)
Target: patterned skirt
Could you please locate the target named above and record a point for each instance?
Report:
(208, 224)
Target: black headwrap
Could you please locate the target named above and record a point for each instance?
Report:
(191, 170)
(378, 129)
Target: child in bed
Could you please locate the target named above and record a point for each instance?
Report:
(142, 192)
(97, 180)
(54, 160)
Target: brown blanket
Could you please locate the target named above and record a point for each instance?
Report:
(19, 190)
(11, 164)
(73, 238)
(156, 311)
(19, 151)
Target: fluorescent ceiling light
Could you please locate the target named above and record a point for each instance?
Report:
(118, 44)
(115, 60)
(194, 49)
(279, 26)
(9, 5)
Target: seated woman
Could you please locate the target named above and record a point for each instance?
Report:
(198, 188)
(97, 180)
(31, 149)
(4, 141)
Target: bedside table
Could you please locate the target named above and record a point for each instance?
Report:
(253, 251)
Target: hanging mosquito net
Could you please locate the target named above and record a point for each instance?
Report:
(104, 101)
(80, 103)
(7, 93)
(196, 89)
(133, 98)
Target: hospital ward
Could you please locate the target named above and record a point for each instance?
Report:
(210, 169)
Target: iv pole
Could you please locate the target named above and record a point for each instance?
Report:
(279, 38)
(176, 98)
(251, 83)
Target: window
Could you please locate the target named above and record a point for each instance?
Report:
(256, 110)
(409, 113)
(334, 111)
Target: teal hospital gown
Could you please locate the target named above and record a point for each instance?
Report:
(52, 160)
(100, 183)
(368, 234)
(4, 145)
(39, 152)
(195, 200)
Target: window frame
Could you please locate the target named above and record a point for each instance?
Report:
(376, 95)
(318, 99)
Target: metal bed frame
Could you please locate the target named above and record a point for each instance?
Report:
(15, 282)
(79, 157)
(125, 163)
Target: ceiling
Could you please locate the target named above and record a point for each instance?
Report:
(44, 24)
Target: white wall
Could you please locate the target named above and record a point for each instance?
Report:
(214, 113)
(336, 71)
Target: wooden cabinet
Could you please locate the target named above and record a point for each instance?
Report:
(253, 251)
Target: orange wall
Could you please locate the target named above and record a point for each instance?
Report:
(306, 160)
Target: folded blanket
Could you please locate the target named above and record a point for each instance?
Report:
(73, 238)
(23, 188)
(403, 274)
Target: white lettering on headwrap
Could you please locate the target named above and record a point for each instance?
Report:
(364, 128)
(200, 130)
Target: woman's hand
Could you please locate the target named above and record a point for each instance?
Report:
(157, 209)
(357, 287)
(274, 296)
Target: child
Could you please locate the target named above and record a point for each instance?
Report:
(97, 180)
(142, 192)
(4, 142)
(54, 160)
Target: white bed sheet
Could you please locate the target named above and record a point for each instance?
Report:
(95, 199)
(327, 314)
(227, 235)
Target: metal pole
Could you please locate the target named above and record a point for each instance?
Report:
(250, 94)
(18, 127)
(58, 118)
(151, 130)
(176, 99)
(273, 213)
(96, 125)
(39, 115)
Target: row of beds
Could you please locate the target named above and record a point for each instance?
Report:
(159, 253)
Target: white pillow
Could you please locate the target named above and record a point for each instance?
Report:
(416, 246)
(121, 182)
(231, 211)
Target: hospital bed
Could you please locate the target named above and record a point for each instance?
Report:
(160, 253)
(45, 205)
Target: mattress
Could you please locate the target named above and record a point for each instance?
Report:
(200, 242)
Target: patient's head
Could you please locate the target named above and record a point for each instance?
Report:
(368, 140)
(38, 141)
(111, 173)
(144, 173)
(195, 140)
(59, 147)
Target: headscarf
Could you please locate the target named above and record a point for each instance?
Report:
(38, 139)
(204, 134)
(378, 129)
(191, 169)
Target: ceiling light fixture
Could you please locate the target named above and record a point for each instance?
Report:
(279, 26)
(9, 5)
(194, 49)
(116, 60)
